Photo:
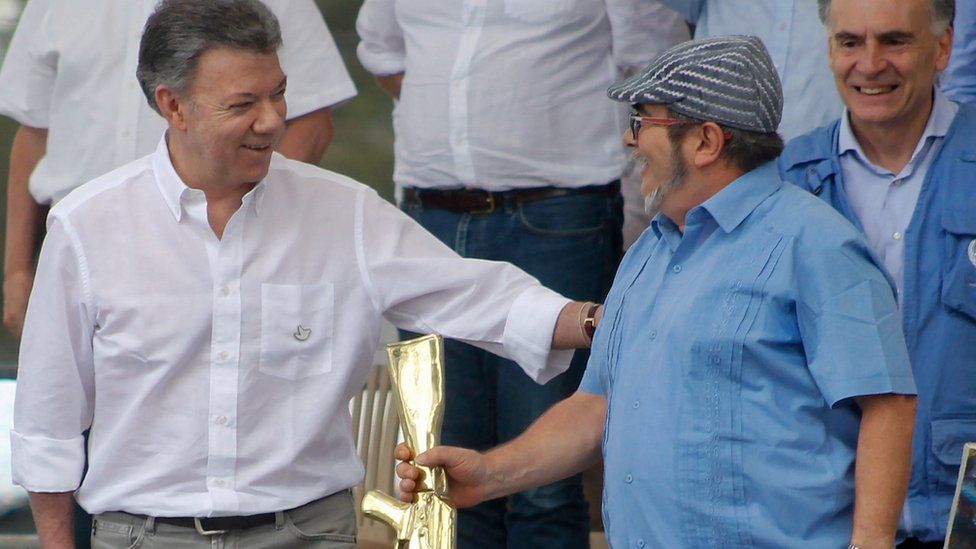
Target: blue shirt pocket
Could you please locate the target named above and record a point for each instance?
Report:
(959, 268)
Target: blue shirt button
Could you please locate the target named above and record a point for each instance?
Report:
(676, 268)
(653, 334)
(636, 404)
(629, 478)
(640, 543)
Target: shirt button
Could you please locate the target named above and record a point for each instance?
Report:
(629, 478)
(640, 543)
(897, 235)
(225, 290)
(636, 404)
(223, 355)
(222, 420)
(653, 334)
(218, 482)
(676, 268)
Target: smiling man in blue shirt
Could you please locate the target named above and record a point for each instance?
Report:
(749, 349)
(900, 165)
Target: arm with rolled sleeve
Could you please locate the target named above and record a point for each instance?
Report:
(317, 79)
(55, 380)
(27, 82)
(381, 48)
(641, 31)
(855, 349)
(420, 284)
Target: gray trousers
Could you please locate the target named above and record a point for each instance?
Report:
(328, 523)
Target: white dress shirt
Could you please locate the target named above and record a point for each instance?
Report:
(503, 94)
(71, 69)
(216, 374)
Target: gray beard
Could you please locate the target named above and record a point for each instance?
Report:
(653, 201)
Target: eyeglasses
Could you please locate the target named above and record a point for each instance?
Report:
(637, 120)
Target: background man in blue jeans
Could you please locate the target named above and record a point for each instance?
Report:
(506, 149)
(900, 165)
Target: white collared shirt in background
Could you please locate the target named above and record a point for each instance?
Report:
(216, 374)
(510, 93)
(71, 68)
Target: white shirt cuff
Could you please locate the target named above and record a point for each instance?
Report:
(381, 63)
(528, 334)
(41, 464)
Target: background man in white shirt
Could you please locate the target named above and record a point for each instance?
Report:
(170, 296)
(68, 81)
(507, 149)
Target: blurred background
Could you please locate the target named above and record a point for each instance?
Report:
(362, 147)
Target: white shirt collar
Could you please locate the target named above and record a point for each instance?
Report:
(940, 119)
(177, 194)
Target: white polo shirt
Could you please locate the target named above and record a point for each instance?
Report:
(215, 374)
(71, 68)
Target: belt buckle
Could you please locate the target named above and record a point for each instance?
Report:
(490, 207)
(199, 526)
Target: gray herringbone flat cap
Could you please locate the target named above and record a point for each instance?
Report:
(730, 80)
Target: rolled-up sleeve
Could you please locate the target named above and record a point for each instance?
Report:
(641, 31)
(849, 324)
(421, 285)
(317, 77)
(55, 378)
(29, 70)
(381, 47)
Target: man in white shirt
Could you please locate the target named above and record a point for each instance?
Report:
(201, 316)
(507, 149)
(68, 81)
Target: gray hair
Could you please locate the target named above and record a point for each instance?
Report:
(943, 13)
(745, 149)
(179, 31)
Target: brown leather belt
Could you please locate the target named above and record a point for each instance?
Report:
(481, 201)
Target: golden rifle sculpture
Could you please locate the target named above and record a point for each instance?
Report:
(417, 373)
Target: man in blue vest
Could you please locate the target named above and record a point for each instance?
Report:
(900, 164)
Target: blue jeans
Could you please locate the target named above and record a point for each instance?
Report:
(572, 244)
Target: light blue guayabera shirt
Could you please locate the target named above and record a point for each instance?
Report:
(729, 355)
(884, 201)
(797, 43)
(959, 80)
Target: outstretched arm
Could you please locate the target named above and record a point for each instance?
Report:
(569, 331)
(564, 441)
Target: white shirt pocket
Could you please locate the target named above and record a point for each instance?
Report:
(296, 329)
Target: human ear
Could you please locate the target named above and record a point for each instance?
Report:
(171, 106)
(711, 141)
